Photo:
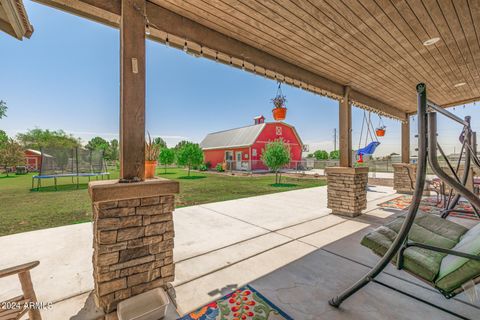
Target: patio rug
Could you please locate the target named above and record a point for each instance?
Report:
(245, 303)
(429, 205)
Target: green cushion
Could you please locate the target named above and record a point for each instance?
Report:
(454, 270)
(427, 229)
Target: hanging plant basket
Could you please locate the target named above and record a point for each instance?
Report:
(280, 111)
(380, 132)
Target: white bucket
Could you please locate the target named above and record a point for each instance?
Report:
(150, 305)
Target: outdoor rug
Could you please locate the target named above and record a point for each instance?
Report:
(245, 303)
(429, 205)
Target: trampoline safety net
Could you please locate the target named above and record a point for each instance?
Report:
(76, 161)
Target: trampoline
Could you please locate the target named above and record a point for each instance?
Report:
(70, 163)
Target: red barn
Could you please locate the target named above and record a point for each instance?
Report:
(33, 159)
(241, 148)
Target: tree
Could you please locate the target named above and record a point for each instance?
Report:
(3, 109)
(160, 142)
(39, 138)
(11, 154)
(112, 151)
(190, 154)
(334, 155)
(166, 157)
(181, 144)
(276, 155)
(97, 143)
(321, 155)
(3, 138)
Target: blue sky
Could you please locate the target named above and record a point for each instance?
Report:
(67, 77)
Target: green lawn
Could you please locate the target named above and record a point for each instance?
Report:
(24, 210)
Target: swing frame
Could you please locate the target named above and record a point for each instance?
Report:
(427, 151)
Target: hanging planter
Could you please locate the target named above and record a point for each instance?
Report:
(380, 132)
(280, 110)
(279, 113)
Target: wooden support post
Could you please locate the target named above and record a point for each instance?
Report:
(345, 129)
(132, 90)
(406, 140)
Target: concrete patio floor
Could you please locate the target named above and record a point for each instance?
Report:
(286, 245)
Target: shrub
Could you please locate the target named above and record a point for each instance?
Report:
(219, 167)
(208, 164)
(203, 167)
(334, 155)
(321, 155)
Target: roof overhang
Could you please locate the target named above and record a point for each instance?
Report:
(14, 19)
(377, 50)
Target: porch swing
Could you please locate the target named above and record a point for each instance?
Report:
(370, 133)
(437, 251)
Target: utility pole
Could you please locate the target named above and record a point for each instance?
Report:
(334, 139)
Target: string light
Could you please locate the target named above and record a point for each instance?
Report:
(185, 46)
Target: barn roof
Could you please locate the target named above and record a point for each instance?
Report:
(239, 137)
(34, 151)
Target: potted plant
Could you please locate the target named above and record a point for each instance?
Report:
(152, 151)
(280, 110)
(380, 131)
(381, 128)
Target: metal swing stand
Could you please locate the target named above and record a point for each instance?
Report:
(427, 146)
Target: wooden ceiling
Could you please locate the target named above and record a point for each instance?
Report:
(374, 46)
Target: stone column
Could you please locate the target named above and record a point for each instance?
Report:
(347, 190)
(404, 176)
(133, 238)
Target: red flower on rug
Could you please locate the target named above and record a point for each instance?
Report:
(243, 304)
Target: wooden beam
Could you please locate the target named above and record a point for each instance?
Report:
(166, 21)
(406, 141)
(132, 90)
(345, 129)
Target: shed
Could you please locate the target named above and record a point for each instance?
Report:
(33, 159)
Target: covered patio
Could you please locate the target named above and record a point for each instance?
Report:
(369, 55)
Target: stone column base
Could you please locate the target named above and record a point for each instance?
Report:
(132, 238)
(404, 176)
(347, 190)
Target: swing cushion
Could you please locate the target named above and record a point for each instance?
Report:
(428, 229)
(454, 270)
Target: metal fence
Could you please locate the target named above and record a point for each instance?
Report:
(313, 166)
